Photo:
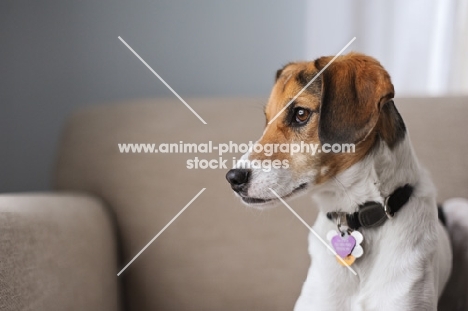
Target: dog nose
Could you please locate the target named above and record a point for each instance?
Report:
(238, 178)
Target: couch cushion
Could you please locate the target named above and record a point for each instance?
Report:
(438, 128)
(58, 253)
(218, 255)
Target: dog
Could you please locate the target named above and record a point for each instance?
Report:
(379, 192)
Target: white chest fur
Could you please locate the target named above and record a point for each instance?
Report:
(406, 261)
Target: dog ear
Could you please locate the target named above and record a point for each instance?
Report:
(279, 72)
(354, 89)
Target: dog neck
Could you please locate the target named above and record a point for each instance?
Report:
(373, 178)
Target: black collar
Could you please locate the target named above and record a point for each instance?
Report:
(373, 214)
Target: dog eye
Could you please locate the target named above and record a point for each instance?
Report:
(300, 116)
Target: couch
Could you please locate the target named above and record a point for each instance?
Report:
(62, 250)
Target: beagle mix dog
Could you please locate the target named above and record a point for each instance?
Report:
(378, 196)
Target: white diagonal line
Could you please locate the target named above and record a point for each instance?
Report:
(313, 79)
(162, 80)
(162, 230)
(313, 231)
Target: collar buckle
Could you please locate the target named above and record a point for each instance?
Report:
(387, 210)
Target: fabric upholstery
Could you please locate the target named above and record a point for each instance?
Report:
(58, 252)
(438, 128)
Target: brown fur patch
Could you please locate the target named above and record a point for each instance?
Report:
(350, 104)
(354, 89)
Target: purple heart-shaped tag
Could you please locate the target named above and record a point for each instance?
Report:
(343, 245)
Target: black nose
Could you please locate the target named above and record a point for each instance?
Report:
(238, 178)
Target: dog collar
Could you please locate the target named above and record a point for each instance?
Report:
(373, 214)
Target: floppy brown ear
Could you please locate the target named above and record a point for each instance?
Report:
(354, 89)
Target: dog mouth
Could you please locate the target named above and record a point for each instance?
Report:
(259, 201)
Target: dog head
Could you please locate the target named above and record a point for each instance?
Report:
(348, 106)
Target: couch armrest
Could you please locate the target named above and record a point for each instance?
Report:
(57, 252)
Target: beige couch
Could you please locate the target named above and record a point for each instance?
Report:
(62, 250)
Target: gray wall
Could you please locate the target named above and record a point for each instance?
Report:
(57, 56)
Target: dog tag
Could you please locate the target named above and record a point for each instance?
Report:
(347, 261)
(343, 244)
(347, 246)
(358, 251)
